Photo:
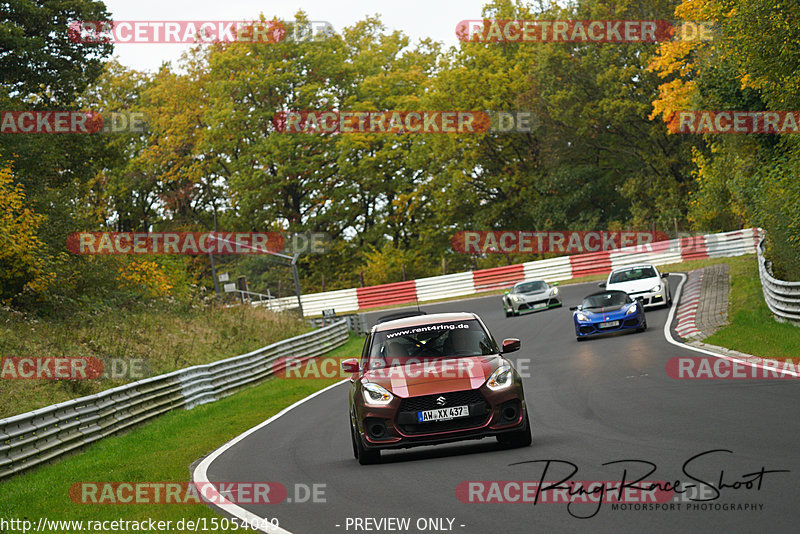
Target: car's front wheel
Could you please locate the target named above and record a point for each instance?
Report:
(353, 440)
(643, 327)
(518, 438)
(365, 456)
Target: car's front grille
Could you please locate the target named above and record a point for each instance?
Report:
(631, 322)
(479, 412)
(444, 426)
(586, 329)
(428, 402)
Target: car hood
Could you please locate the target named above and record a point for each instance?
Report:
(531, 294)
(435, 376)
(608, 313)
(635, 286)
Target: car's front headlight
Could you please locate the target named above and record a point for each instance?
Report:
(555, 291)
(502, 377)
(582, 316)
(375, 394)
(516, 298)
(631, 309)
(655, 289)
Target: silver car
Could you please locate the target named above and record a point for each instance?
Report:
(534, 295)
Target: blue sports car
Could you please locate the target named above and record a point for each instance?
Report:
(608, 311)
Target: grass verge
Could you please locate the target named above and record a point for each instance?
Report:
(752, 328)
(159, 451)
(163, 336)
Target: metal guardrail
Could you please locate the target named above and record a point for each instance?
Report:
(32, 438)
(356, 322)
(782, 298)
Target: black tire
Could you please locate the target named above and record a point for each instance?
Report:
(365, 456)
(643, 327)
(508, 313)
(518, 438)
(353, 441)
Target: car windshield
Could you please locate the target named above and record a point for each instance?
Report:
(530, 287)
(628, 275)
(605, 300)
(432, 341)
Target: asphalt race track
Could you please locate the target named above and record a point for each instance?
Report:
(590, 403)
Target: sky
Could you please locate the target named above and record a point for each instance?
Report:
(418, 19)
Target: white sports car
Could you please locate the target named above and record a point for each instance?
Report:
(530, 296)
(642, 282)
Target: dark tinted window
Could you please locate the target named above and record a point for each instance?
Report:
(432, 341)
(606, 300)
(530, 287)
(632, 274)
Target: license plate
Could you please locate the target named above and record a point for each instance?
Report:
(443, 414)
(609, 324)
(539, 306)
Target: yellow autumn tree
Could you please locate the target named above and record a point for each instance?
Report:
(21, 263)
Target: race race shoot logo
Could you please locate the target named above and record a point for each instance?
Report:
(194, 493)
(735, 122)
(581, 31)
(403, 122)
(196, 31)
(71, 122)
(196, 243)
(562, 242)
(711, 368)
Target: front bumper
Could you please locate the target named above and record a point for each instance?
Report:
(535, 305)
(651, 299)
(395, 426)
(592, 328)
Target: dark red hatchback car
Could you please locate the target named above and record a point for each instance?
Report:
(434, 379)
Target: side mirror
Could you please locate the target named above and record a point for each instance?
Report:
(664, 275)
(350, 366)
(511, 344)
(554, 284)
(573, 308)
(601, 284)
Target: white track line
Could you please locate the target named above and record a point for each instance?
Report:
(670, 339)
(200, 474)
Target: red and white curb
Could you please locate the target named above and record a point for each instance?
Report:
(687, 309)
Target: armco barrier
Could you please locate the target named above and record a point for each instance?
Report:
(32, 438)
(554, 269)
(782, 298)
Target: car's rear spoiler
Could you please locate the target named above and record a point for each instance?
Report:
(399, 315)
